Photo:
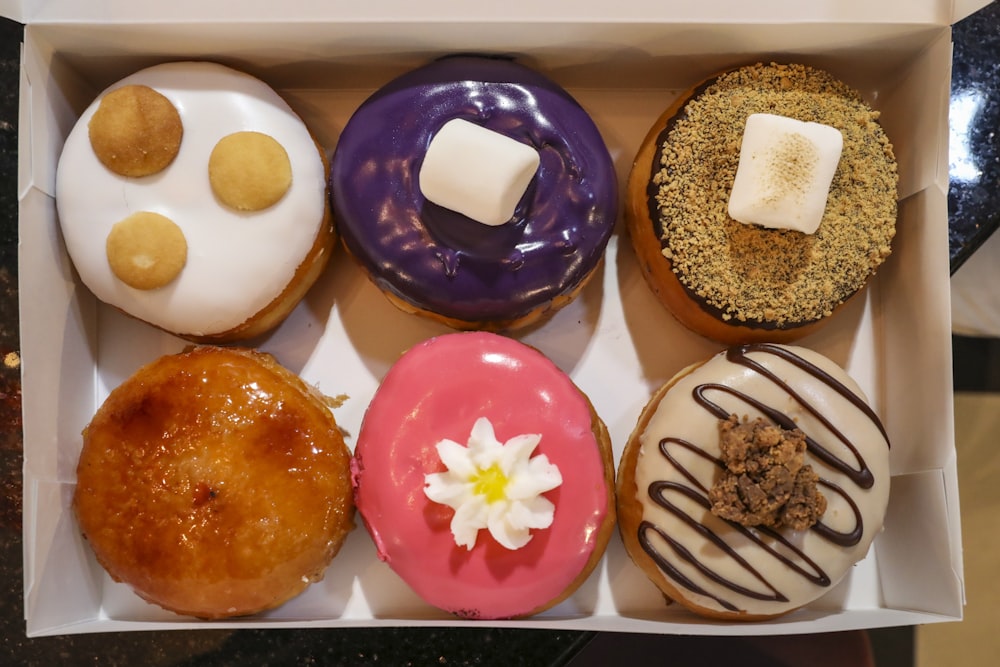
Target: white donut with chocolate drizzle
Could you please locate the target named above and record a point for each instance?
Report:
(720, 567)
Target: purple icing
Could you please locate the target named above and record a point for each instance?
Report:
(440, 260)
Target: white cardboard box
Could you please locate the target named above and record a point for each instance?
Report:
(624, 62)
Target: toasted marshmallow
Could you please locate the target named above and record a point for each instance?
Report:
(477, 172)
(785, 170)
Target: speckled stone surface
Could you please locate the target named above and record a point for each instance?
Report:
(974, 189)
(11, 588)
(973, 204)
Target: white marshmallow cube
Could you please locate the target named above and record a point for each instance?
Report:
(785, 170)
(477, 172)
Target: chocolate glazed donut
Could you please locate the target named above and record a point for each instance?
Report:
(432, 260)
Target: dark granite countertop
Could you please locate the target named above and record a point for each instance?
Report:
(974, 208)
(974, 168)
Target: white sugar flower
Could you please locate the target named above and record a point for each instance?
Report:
(494, 486)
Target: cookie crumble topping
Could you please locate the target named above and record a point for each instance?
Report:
(766, 482)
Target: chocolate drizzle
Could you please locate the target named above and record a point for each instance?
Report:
(775, 543)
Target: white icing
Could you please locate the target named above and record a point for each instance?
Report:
(785, 171)
(494, 486)
(679, 416)
(476, 171)
(237, 262)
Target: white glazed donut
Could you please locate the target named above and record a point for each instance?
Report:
(244, 270)
(721, 568)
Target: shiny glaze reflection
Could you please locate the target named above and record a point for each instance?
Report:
(437, 390)
(441, 260)
(214, 483)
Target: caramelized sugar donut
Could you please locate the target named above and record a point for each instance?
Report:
(215, 483)
(735, 282)
(753, 482)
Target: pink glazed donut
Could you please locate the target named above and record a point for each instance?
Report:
(519, 438)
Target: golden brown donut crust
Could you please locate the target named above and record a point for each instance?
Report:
(496, 326)
(215, 483)
(867, 160)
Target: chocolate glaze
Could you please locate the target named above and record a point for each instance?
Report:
(789, 554)
(442, 261)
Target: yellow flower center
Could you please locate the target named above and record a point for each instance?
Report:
(491, 483)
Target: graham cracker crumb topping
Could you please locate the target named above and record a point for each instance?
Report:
(749, 273)
(766, 482)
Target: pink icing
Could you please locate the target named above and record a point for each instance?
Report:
(437, 390)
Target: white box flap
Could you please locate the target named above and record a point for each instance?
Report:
(12, 9)
(938, 12)
(963, 8)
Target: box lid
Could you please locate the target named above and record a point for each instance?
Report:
(939, 12)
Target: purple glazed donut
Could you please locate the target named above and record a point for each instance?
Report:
(437, 262)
